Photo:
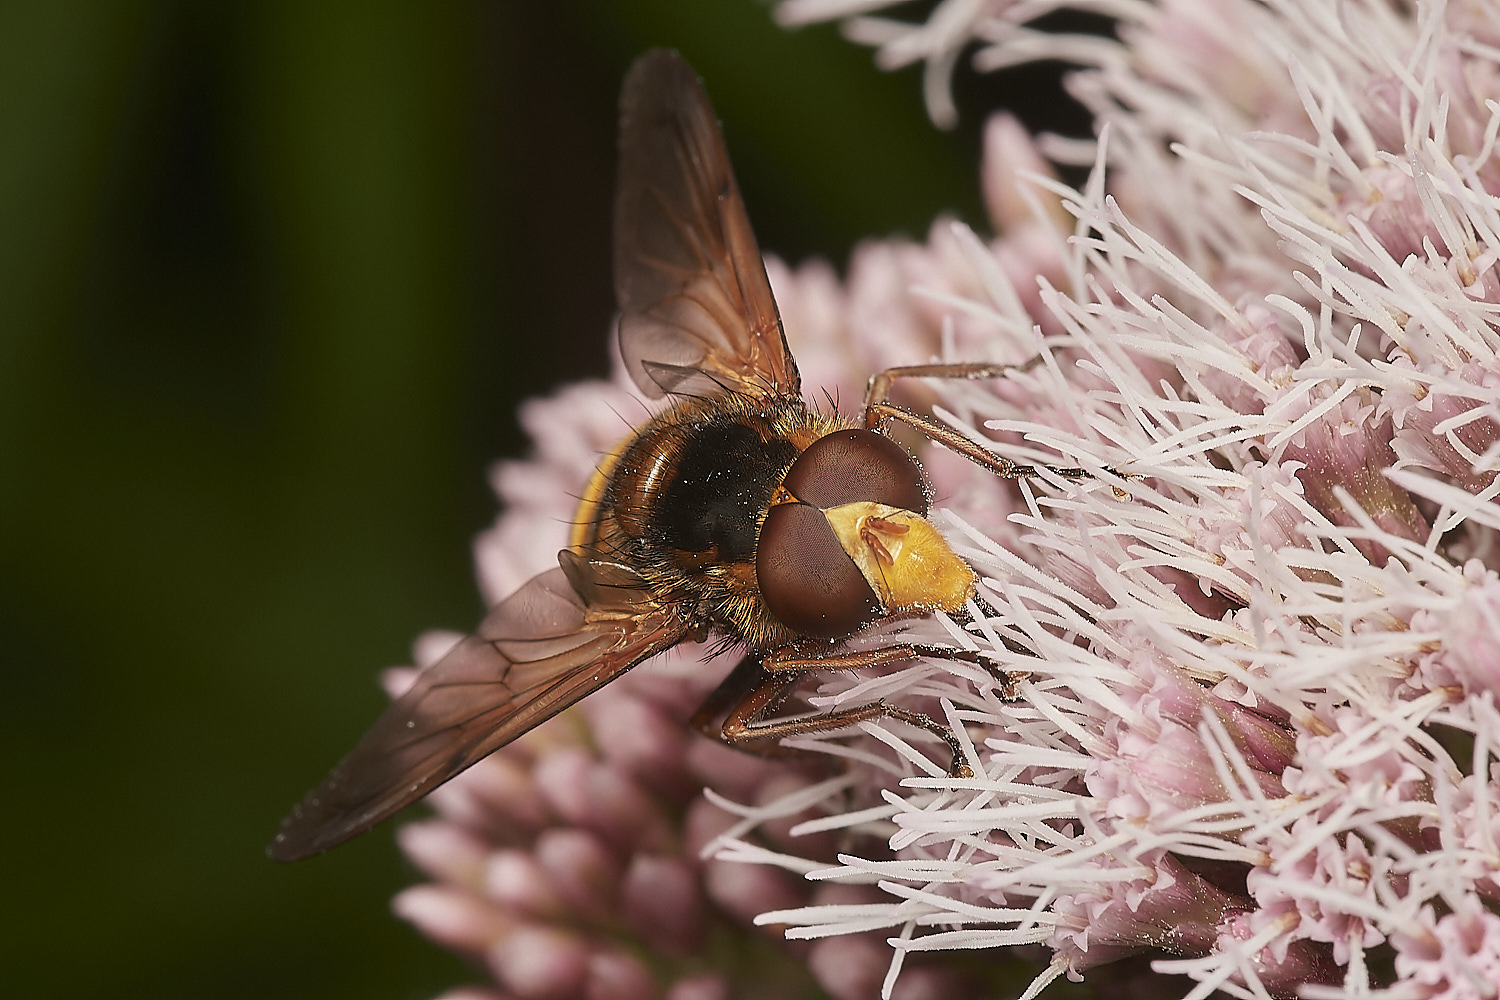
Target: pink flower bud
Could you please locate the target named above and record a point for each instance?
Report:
(745, 891)
(1288, 963)
(396, 680)
(779, 829)
(850, 967)
(735, 773)
(1349, 448)
(1471, 639)
(934, 982)
(1445, 425)
(540, 963)
(452, 917)
(614, 975)
(472, 993)
(704, 821)
(430, 647)
(1456, 957)
(1171, 909)
(582, 870)
(1387, 200)
(639, 738)
(495, 796)
(601, 797)
(662, 903)
(517, 882)
(709, 986)
(1009, 150)
(445, 851)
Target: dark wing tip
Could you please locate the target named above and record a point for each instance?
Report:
(650, 71)
(344, 806)
(306, 832)
(284, 847)
(658, 87)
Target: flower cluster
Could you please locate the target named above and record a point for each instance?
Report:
(1238, 708)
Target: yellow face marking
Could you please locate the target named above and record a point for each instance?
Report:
(902, 557)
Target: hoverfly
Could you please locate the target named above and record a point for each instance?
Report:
(737, 511)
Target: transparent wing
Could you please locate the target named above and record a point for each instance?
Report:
(692, 289)
(535, 653)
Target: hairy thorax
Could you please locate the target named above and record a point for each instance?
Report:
(683, 501)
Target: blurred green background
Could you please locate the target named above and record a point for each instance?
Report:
(273, 277)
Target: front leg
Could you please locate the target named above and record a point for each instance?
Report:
(756, 687)
(879, 389)
(878, 408)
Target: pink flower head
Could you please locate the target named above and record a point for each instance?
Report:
(1235, 710)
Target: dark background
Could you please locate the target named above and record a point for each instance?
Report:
(273, 277)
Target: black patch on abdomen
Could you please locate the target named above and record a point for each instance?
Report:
(726, 474)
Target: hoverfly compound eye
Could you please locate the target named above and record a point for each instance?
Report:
(806, 578)
(850, 466)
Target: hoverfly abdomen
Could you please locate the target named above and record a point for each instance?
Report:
(639, 477)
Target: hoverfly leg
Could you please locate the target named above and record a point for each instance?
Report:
(954, 441)
(781, 670)
(910, 651)
(777, 662)
(879, 390)
(736, 687)
(878, 408)
(731, 713)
